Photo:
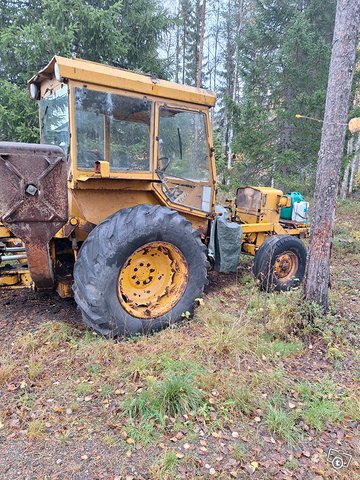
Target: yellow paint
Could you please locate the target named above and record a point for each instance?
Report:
(8, 280)
(64, 289)
(87, 72)
(4, 232)
(152, 280)
(104, 169)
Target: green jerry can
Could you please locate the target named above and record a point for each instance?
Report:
(286, 212)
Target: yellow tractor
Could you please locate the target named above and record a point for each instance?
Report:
(117, 205)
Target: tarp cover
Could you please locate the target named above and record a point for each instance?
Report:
(225, 242)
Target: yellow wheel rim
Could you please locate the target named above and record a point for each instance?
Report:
(286, 266)
(152, 280)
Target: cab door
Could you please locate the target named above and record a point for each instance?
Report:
(183, 152)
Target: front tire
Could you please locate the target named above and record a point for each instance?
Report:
(139, 271)
(280, 263)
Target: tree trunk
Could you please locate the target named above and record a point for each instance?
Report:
(354, 163)
(342, 64)
(201, 44)
(345, 182)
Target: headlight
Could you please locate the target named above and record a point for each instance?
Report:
(57, 73)
(34, 91)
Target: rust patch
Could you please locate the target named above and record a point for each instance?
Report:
(33, 201)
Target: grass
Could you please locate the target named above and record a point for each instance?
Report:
(277, 349)
(320, 403)
(7, 368)
(235, 362)
(243, 399)
(173, 396)
(35, 369)
(82, 389)
(165, 467)
(282, 423)
(239, 451)
(143, 432)
(35, 429)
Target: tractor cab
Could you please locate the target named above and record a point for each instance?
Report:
(118, 125)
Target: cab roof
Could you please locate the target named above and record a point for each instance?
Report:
(107, 76)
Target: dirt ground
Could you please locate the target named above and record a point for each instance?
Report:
(62, 389)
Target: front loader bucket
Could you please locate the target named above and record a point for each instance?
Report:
(33, 201)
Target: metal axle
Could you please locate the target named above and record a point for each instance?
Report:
(12, 249)
(8, 258)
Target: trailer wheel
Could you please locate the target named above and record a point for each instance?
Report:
(139, 271)
(281, 263)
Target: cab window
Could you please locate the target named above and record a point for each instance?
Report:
(112, 127)
(183, 157)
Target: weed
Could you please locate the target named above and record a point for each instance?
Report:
(83, 389)
(239, 451)
(74, 406)
(139, 368)
(64, 437)
(35, 429)
(109, 440)
(318, 412)
(334, 353)
(27, 342)
(292, 464)
(243, 400)
(56, 333)
(174, 395)
(282, 423)
(320, 406)
(26, 399)
(165, 467)
(35, 369)
(278, 313)
(225, 334)
(278, 348)
(351, 407)
(277, 380)
(7, 368)
(106, 390)
(143, 432)
(178, 394)
(94, 369)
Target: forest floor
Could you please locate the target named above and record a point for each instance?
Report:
(249, 388)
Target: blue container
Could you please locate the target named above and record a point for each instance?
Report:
(286, 212)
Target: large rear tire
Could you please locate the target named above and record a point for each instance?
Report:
(139, 271)
(280, 263)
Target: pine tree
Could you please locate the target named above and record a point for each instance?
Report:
(284, 57)
(122, 33)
